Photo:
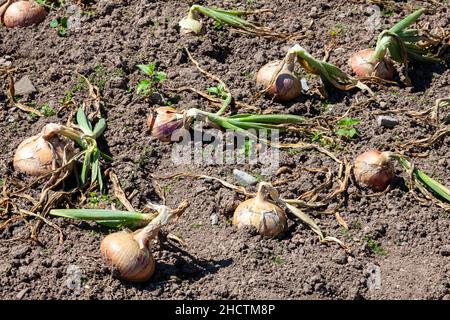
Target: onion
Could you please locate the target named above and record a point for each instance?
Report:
(363, 65)
(122, 251)
(374, 169)
(130, 253)
(23, 14)
(268, 218)
(42, 153)
(164, 123)
(191, 24)
(285, 86)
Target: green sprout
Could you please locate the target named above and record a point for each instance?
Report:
(47, 111)
(346, 128)
(60, 24)
(375, 247)
(146, 87)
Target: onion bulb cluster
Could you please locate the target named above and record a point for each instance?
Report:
(268, 218)
(374, 169)
(132, 260)
(278, 79)
(22, 14)
(42, 153)
(363, 64)
(164, 122)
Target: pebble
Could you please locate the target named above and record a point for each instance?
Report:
(445, 250)
(24, 86)
(244, 178)
(20, 253)
(387, 121)
(214, 219)
(340, 258)
(22, 293)
(304, 84)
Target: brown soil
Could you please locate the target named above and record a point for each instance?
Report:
(218, 261)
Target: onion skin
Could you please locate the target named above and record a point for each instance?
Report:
(363, 67)
(286, 85)
(164, 123)
(268, 219)
(23, 14)
(374, 169)
(37, 155)
(122, 252)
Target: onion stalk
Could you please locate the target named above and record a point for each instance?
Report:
(375, 169)
(233, 18)
(402, 44)
(164, 122)
(328, 73)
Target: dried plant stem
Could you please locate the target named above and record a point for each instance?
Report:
(118, 192)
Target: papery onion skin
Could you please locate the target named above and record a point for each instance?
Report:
(35, 155)
(122, 252)
(286, 85)
(164, 123)
(374, 169)
(23, 14)
(268, 219)
(363, 67)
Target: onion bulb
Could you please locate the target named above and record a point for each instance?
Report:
(23, 14)
(374, 169)
(191, 24)
(123, 252)
(363, 65)
(268, 218)
(284, 86)
(164, 122)
(42, 153)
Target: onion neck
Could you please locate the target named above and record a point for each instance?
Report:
(381, 49)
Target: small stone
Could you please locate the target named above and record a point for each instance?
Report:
(244, 178)
(22, 293)
(24, 86)
(304, 84)
(214, 219)
(387, 121)
(20, 253)
(200, 190)
(445, 251)
(340, 258)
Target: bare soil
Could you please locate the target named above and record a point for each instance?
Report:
(412, 246)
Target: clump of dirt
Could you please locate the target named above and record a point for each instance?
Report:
(391, 236)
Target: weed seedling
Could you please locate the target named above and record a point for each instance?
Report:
(149, 85)
(346, 128)
(375, 247)
(60, 24)
(47, 111)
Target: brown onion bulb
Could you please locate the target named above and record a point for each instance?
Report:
(122, 252)
(41, 153)
(268, 218)
(286, 85)
(23, 14)
(363, 67)
(374, 169)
